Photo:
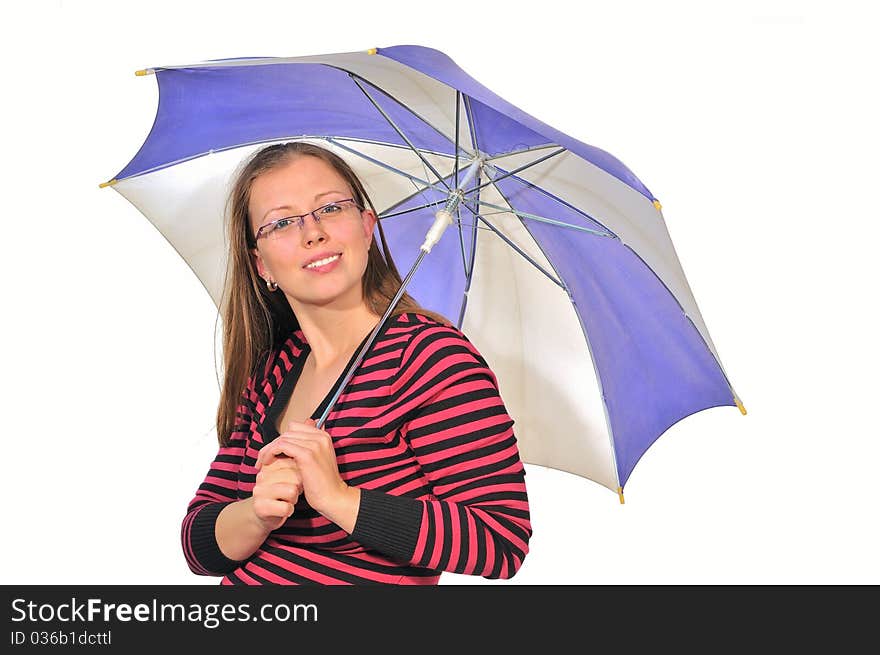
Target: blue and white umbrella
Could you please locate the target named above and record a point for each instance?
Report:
(557, 265)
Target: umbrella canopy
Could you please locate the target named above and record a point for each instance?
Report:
(559, 267)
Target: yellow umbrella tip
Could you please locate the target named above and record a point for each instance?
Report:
(108, 183)
(739, 404)
(372, 51)
(658, 205)
(620, 495)
(142, 72)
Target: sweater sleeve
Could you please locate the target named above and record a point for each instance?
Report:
(477, 520)
(217, 490)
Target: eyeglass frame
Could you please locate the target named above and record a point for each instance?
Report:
(301, 217)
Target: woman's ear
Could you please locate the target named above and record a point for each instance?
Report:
(257, 258)
(369, 226)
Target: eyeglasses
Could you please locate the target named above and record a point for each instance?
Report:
(290, 225)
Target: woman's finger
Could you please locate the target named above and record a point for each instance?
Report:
(269, 477)
(303, 437)
(288, 446)
(286, 491)
(281, 464)
(266, 508)
(308, 427)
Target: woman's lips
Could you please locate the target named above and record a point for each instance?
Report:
(326, 268)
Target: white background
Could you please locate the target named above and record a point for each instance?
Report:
(756, 127)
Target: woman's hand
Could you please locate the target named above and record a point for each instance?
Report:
(312, 451)
(277, 488)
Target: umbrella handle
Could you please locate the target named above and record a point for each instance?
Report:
(442, 220)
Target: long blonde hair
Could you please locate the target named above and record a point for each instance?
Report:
(255, 320)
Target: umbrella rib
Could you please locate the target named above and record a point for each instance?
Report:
(464, 258)
(469, 269)
(516, 170)
(457, 118)
(524, 150)
(462, 103)
(543, 191)
(468, 262)
(516, 248)
(373, 160)
(439, 132)
(412, 178)
(455, 177)
(543, 219)
(411, 209)
(469, 114)
(410, 197)
(398, 130)
(386, 144)
(586, 334)
(384, 216)
(461, 241)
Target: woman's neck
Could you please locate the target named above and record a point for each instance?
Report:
(333, 335)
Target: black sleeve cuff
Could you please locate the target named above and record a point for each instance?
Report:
(389, 524)
(204, 540)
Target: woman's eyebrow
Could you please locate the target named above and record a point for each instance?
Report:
(320, 195)
(327, 193)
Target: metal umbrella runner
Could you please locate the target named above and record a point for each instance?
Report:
(557, 263)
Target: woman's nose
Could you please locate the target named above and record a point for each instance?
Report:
(312, 230)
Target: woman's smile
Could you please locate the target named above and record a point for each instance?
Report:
(324, 265)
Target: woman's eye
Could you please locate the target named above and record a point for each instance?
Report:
(331, 209)
(283, 223)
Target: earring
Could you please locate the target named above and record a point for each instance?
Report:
(272, 286)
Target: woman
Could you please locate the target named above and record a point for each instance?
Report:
(416, 470)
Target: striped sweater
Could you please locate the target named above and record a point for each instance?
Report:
(422, 430)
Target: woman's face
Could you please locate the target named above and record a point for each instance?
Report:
(302, 185)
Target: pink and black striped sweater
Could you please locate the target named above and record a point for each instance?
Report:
(421, 428)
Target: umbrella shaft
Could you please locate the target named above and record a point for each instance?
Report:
(444, 218)
(366, 347)
(455, 197)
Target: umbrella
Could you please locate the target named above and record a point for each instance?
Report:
(558, 265)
